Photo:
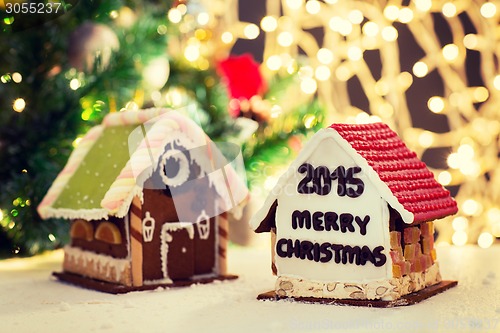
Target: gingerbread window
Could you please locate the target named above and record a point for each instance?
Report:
(81, 229)
(175, 168)
(109, 233)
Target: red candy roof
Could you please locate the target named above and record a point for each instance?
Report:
(408, 178)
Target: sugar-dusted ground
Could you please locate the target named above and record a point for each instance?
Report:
(31, 301)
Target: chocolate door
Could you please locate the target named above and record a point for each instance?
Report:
(178, 245)
(170, 254)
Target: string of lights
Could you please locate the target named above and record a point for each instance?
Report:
(350, 29)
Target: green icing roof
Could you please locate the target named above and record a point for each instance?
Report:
(98, 170)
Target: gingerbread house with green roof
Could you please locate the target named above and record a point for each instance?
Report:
(147, 194)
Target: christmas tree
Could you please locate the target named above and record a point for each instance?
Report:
(59, 75)
(62, 72)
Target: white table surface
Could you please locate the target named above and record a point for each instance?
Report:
(32, 301)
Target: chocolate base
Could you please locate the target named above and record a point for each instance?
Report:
(409, 299)
(113, 288)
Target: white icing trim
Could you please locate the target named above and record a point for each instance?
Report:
(70, 214)
(203, 225)
(127, 234)
(184, 169)
(124, 208)
(159, 281)
(306, 152)
(101, 263)
(174, 226)
(205, 275)
(166, 237)
(148, 229)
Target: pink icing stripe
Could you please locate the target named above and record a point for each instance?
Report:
(179, 120)
(131, 117)
(113, 119)
(188, 127)
(107, 120)
(126, 173)
(112, 205)
(123, 118)
(134, 119)
(91, 135)
(69, 169)
(47, 200)
(143, 116)
(149, 145)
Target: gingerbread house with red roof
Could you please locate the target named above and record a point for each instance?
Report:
(352, 218)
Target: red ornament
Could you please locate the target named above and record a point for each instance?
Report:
(242, 77)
